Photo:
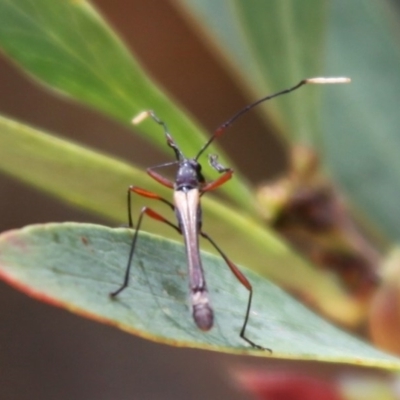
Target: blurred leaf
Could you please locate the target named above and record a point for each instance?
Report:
(270, 46)
(366, 387)
(98, 183)
(76, 266)
(362, 140)
(68, 171)
(384, 309)
(68, 46)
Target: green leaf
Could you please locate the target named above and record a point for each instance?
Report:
(68, 46)
(79, 176)
(271, 46)
(76, 266)
(98, 183)
(361, 127)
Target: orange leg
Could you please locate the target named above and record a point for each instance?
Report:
(227, 174)
(245, 282)
(160, 179)
(153, 214)
(144, 193)
(218, 182)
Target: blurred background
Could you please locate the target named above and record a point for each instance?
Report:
(48, 353)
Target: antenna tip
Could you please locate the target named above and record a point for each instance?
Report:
(324, 81)
(140, 117)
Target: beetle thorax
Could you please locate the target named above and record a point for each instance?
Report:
(189, 175)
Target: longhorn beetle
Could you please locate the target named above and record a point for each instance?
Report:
(188, 187)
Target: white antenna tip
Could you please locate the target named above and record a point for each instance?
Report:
(140, 117)
(323, 81)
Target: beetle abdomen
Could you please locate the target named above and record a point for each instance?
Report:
(202, 313)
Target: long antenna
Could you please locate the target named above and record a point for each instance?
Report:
(316, 81)
(170, 141)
